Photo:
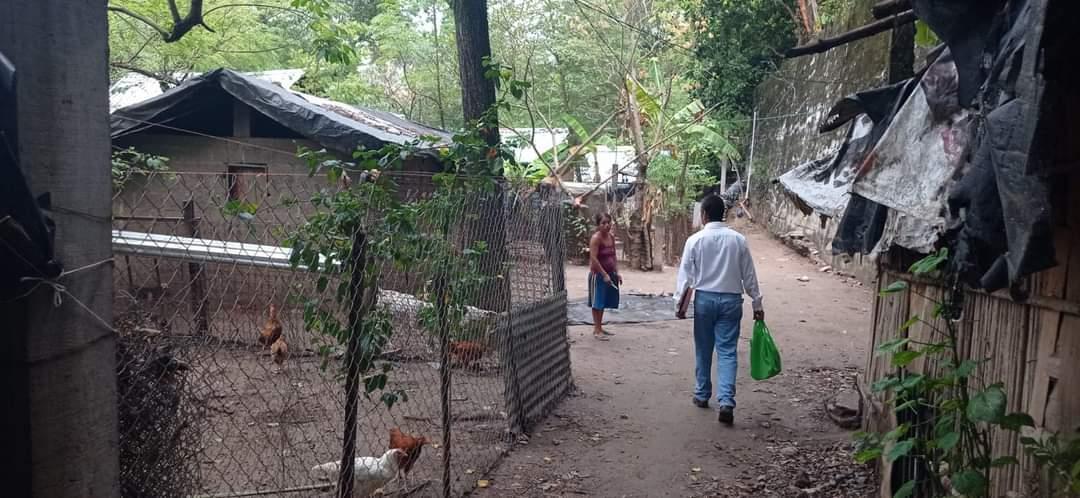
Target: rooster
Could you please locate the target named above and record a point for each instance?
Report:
(467, 353)
(411, 445)
(271, 330)
(279, 351)
(369, 473)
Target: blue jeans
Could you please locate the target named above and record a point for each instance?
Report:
(716, 326)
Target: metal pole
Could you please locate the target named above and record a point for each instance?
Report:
(195, 273)
(357, 309)
(750, 160)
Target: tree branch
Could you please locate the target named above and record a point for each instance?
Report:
(181, 26)
(139, 17)
(886, 8)
(260, 5)
(824, 44)
(150, 74)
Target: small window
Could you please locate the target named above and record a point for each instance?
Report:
(241, 179)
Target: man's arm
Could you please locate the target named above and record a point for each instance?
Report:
(750, 282)
(687, 272)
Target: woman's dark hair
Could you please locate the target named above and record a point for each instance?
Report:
(599, 218)
(713, 207)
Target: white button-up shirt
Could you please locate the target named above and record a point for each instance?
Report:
(717, 259)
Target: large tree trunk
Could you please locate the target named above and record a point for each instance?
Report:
(477, 97)
(67, 355)
(474, 44)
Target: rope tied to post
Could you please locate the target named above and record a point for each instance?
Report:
(60, 289)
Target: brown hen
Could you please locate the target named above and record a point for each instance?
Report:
(271, 330)
(411, 445)
(467, 353)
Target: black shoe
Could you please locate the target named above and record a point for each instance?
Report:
(700, 403)
(726, 415)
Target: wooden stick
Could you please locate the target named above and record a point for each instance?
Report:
(824, 44)
(262, 492)
(886, 8)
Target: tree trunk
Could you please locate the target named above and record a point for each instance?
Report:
(68, 356)
(474, 45)
(477, 97)
(640, 241)
(438, 68)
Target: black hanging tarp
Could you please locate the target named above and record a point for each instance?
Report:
(25, 232)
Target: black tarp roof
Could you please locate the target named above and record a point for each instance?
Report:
(984, 99)
(334, 125)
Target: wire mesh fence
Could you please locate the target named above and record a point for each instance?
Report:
(232, 384)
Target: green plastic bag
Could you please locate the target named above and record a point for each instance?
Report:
(764, 357)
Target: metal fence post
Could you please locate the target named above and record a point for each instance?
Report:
(358, 307)
(195, 271)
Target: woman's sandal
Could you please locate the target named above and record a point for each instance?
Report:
(600, 337)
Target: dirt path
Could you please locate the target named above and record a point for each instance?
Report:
(629, 429)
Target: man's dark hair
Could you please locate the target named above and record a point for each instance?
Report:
(713, 207)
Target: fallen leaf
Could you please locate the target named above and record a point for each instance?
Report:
(483, 483)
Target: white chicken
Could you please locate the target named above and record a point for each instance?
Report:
(369, 473)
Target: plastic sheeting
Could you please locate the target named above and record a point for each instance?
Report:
(940, 172)
(912, 166)
(823, 185)
(26, 232)
(334, 125)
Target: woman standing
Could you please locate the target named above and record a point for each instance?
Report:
(604, 277)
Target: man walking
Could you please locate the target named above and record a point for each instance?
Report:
(717, 265)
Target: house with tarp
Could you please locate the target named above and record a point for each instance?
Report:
(975, 155)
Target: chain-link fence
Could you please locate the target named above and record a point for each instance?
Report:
(212, 403)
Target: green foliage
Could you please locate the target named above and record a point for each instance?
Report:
(957, 451)
(679, 182)
(129, 162)
(416, 236)
(737, 43)
(924, 36)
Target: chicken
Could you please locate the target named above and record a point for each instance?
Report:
(369, 473)
(271, 330)
(467, 353)
(279, 350)
(411, 445)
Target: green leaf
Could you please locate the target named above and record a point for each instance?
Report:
(948, 441)
(899, 450)
(906, 490)
(1016, 421)
(896, 433)
(930, 263)
(924, 36)
(321, 284)
(885, 384)
(912, 381)
(867, 455)
(911, 403)
(911, 321)
(890, 347)
(966, 368)
(969, 482)
(987, 405)
(1004, 461)
(893, 288)
(904, 358)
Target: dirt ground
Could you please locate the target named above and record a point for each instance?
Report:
(629, 429)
